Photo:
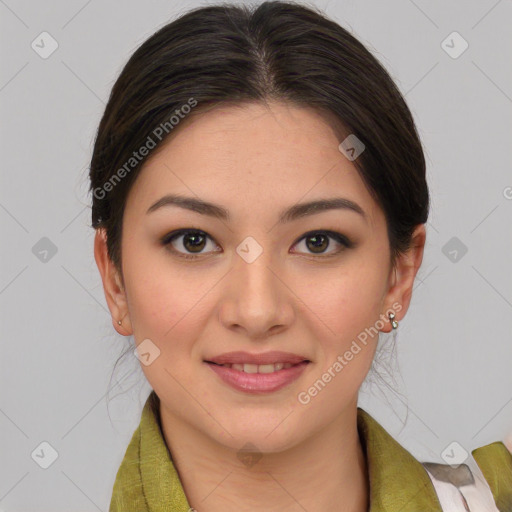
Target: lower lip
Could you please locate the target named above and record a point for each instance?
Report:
(258, 382)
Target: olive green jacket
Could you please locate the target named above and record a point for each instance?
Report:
(147, 480)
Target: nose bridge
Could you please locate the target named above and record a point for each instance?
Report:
(258, 299)
(255, 281)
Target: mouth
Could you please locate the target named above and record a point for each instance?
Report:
(258, 373)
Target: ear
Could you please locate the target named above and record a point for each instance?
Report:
(402, 277)
(112, 285)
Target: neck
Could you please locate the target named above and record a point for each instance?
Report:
(327, 472)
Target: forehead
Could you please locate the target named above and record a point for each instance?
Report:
(252, 155)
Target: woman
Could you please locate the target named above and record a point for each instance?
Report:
(259, 200)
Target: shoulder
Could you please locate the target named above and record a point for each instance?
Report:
(127, 491)
(399, 481)
(147, 479)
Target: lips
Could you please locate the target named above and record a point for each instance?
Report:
(263, 378)
(265, 358)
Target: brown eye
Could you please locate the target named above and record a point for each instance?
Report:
(194, 242)
(317, 242)
(188, 243)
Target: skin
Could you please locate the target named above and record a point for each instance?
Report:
(256, 160)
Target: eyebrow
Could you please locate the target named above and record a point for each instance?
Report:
(290, 214)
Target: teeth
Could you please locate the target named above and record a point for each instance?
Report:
(251, 368)
(258, 368)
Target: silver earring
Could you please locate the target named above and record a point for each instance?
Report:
(394, 323)
(119, 322)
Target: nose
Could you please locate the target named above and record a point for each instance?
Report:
(256, 299)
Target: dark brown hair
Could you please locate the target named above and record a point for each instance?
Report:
(276, 51)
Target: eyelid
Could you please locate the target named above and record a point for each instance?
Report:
(340, 238)
(166, 239)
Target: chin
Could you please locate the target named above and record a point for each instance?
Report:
(266, 435)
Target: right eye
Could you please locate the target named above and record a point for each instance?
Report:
(192, 240)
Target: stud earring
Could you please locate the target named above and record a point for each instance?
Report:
(119, 322)
(394, 323)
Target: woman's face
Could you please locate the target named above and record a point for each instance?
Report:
(254, 280)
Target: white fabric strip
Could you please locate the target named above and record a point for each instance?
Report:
(477, 495)
(449, 496)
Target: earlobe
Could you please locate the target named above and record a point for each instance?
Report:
(114, 292)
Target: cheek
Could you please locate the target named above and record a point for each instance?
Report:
(343, 314)
(164, 308)
(160, 299)
(343, 309)
(344, 302)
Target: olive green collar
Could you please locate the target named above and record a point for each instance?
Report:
(148, 481)
(398, 482)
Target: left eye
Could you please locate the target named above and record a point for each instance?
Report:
(318, 241)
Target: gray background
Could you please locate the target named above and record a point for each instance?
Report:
(58, 347)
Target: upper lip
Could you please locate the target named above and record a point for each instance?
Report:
(263, 358)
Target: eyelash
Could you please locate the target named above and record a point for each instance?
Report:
(338, 237)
